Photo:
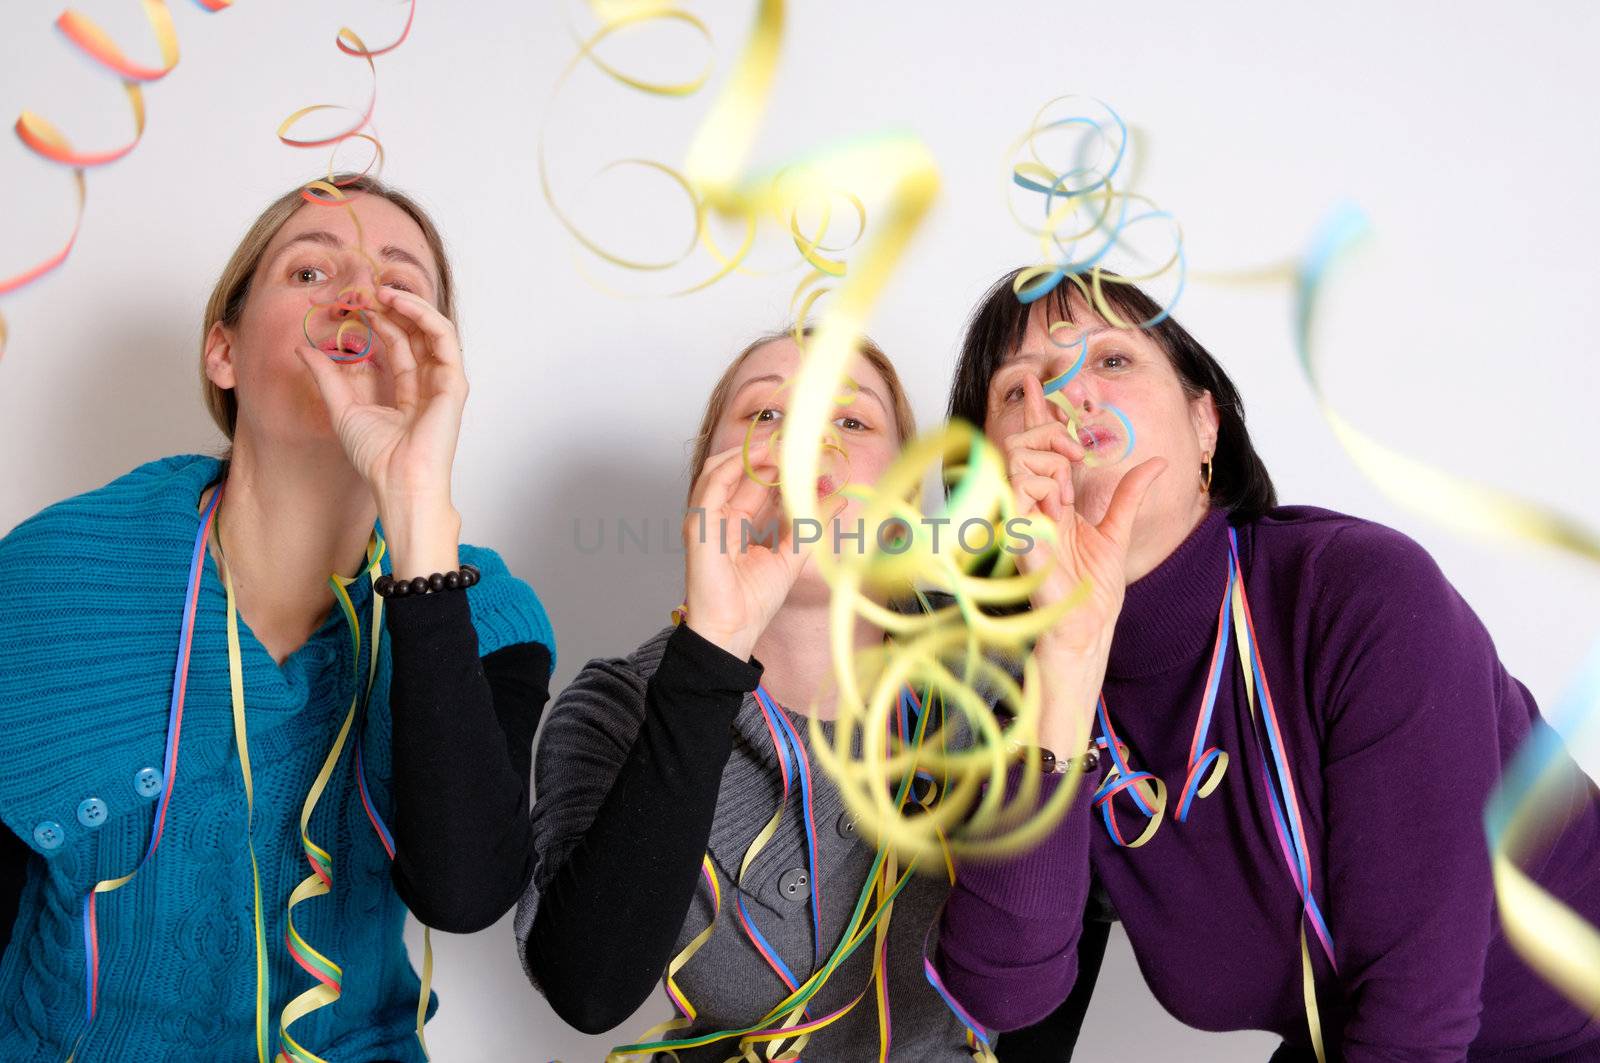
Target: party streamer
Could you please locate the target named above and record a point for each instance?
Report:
(45, 140)
(735, 113)
(946, 650)
(1526, 810)
(353, 308)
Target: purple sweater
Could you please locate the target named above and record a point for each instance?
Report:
(1398, 719)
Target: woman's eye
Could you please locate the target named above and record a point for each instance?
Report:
(310, 275)
(400, 284)
(1115, 361)
(767, 416)
(1013, 394)
(850, 424)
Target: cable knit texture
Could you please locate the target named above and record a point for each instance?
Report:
(88, 644)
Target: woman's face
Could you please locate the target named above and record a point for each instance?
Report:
(318, 258)
(1127, 369)
(864, 430)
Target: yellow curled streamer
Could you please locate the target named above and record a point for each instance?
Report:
(737, 109)
(962, 651)
(329, 975)
(242, 744)
(1522, 815)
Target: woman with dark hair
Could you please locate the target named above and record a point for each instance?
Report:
(1298, 727)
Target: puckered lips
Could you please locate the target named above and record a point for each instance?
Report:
(1099, 438)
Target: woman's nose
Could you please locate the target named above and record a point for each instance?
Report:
(1076, 392)
(351, 301)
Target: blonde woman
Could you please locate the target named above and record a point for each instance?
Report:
(658, 773)
(222, 681)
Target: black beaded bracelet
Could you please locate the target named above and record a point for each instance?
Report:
(388, 587)
(1049, 764)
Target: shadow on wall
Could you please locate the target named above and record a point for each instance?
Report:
(129, 394)
(604, 550)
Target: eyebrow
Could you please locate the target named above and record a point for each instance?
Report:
(766, 378)
(774, 378)
(1019, 354)
(389, 253)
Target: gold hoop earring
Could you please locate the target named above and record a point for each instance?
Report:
(1206, 469)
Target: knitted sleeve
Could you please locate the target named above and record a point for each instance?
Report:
(628, 775)
(1411, 686)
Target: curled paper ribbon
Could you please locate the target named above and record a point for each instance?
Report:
(1525, 811)
(962, 656)
(42, 137)
(351, 314)
(1087, 216)
(735, 112)
(1055, 392)
(169, 772)
(361, 302)
(329, 192)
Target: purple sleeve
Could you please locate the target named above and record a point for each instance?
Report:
(1008, 939)
(1410, 686)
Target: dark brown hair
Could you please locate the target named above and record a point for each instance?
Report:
(1240, 483)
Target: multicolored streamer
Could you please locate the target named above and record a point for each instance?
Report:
(1085, 203)
(169, 769)
(787, 1027)
(328, 974)
(960, 651)
(1518, 820)
(45, 140)
(349, 313)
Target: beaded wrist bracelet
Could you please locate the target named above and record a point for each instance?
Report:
(1050, 764)
(389, 587)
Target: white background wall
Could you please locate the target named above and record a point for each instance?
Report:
(1464, 335)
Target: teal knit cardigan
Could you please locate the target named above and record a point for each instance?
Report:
(88, 642)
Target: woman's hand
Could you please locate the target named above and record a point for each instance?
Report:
(735, 587)
(1072, 653)
(405, 452)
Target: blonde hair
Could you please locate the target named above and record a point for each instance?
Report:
(232, 289)
(905, 420)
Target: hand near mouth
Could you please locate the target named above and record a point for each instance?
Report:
(733, 588)
(1072, 654)
(406, 451)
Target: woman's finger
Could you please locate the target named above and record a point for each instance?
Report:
(400, 359)
(751, 493)
(1053, 436)
(444, 345)
(1035, 410)
(1117, 525)
(1042, 491)
(1024, 462)
(331, 381)
(1043, 463)
(718, 479)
